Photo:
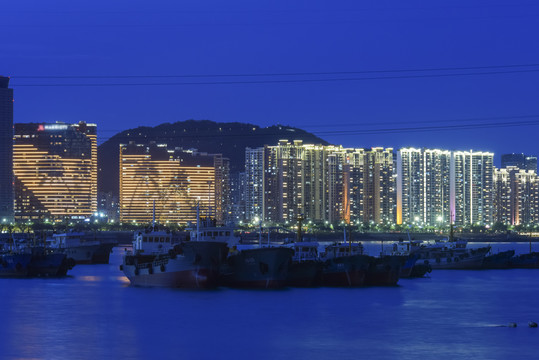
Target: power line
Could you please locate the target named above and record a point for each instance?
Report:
(272, 74)
(277, 81)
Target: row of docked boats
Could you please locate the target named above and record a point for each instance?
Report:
(214, 256)
(53, 257)
(456, 255)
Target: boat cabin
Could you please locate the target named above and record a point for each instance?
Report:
(154, 242)
(342, 249)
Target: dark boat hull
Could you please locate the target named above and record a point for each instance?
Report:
(304, 274)
(385, 270)
(44, 263)
(262, 268)
(501, 260)
(526, 261)
(349, 271)
(14, 265)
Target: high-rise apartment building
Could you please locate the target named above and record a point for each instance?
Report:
(55, 171)
(175, 180)
(503, 199)
(323, 183)
(516, 196)
(423, 186)
(6, 151)
(472, 187)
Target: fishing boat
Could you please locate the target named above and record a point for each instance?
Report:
(261, 266)
(156, 260)
(407, 251)
(344, 264)
(48, 262)
(76, 246)
(447, 254)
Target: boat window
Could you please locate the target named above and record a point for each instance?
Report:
(215, 233)
(227, 233)
(162, 239)
(144, 239)
(220, 233)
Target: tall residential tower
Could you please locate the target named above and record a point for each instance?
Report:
(6, 151)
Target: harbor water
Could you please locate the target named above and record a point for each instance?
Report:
(95, 314)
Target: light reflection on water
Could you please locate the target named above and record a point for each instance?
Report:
(452, 314)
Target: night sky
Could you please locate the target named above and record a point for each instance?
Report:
(332, 68)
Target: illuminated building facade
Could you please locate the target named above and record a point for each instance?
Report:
(516, 196)
(174, 179)
(322, 183)
(254, 183)
(55, 171)
(6, 151)
(472, 187)
(423, 186)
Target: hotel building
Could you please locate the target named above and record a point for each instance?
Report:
(175, 180)
(55, 171)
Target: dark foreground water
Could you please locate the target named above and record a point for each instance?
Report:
(95, 314)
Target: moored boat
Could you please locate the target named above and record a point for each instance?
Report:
(385, 270)
(48, 262)
(81, 250)
(344, 265)
(157, 261)
(305, 269)
(250, 266)
(449, 255)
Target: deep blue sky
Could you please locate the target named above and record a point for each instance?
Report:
(112, 38)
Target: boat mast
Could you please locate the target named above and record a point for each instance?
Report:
(300, 222)
(260, 233)
(153, 216)
(198, 220)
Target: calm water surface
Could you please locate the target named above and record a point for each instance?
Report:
(95, 314)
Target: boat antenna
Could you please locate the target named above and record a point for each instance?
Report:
(198, 220)
(300, 222)
(153, 216)
(260, 233)
(344, 232)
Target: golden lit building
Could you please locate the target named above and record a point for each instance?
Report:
(55, 171)
(174, 180)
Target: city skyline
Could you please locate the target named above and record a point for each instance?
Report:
(472, 84)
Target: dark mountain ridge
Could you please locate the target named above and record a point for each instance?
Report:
(229, 139)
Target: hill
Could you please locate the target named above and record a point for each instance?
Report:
(229, 139)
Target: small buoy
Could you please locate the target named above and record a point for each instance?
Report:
(512, 324)
(532, 324)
